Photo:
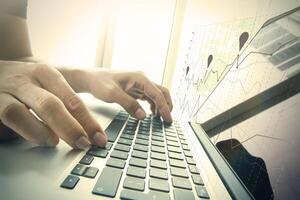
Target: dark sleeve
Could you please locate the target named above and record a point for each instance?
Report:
(14, 7)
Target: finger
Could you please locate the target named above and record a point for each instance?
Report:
(53, 112)
(158, 98)
(16, 115)
(56, 84)
(128, 103)
(167, 96)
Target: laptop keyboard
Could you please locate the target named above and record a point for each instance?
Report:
(143, 150)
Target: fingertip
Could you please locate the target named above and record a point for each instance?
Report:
(166, 115)
(82, 143)
(140, 113)
(51, 142)
(100, 139)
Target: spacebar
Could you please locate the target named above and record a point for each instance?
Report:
(113, 129)
(108, 182)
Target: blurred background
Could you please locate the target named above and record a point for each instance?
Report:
(126, 35)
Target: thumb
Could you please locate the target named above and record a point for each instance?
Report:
(129, 104)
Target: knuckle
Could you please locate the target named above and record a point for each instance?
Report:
(11, 112)
(74, 103)
(41, 69)
(112, 91)
(48, 104)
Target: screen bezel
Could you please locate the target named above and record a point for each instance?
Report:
(231, 181)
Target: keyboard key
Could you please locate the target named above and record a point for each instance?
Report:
(158, 156)
(115, 162)
(158, 149)
(159, 134)
(177, 163)
(158, 164)
(155, 195)
(138, 162)
(159, 185)
(134, 183)
(108, 182)
(174, 135)
(186, 147)
(197, 179)
(144, 132)
(108, 145)
(98, 152)
(136, 172)
(86, 159)
(78, 169)
(171, 139)
(128, 132)
(179, 172)
(127, 136)
(122, 147)
(188, 154)
(158, 173)
(172, 143)
(190, 161)
(157, 143)
(70, 182)
(194, 169)
(181, 183)
(201, 192)
(119, 154)
(142, 142)
(168, 130)
(125, 141)
(181, 136)
(151, 195)
(139, 154)
(174, 149)
(183, 141)
(90, 172)
(177, 156)
(180, 194)
(140, 147)
(157, 138)
(113, 129)
(144, 137)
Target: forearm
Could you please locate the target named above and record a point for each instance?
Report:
(77, 78)
(14, 38)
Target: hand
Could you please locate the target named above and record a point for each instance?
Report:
(42, 89)
(125, 87)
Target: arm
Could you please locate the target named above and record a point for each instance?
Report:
(26, 83)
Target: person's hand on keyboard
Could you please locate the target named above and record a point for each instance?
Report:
(51, 95)
(124, 88)
(43, 89)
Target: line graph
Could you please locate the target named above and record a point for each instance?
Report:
(227, 64)
(194, 82)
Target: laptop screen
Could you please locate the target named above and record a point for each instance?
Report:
(263, 150)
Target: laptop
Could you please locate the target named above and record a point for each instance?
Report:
(247, 149)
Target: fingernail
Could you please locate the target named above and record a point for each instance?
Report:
(82, 143)
(100, 139)
(140, 113)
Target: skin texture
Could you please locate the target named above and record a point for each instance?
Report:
(40, 102)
